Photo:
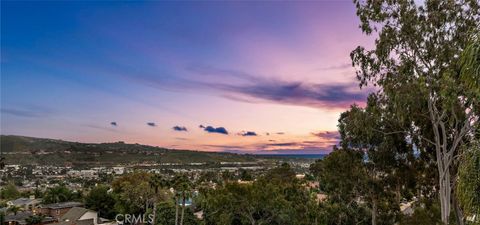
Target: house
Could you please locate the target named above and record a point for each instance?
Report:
(17, 219)
(57, 210)
(81, 216)
(25, 203)
(21, 218)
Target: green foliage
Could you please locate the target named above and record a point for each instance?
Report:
(100, 200)
(468, 189)
(35, 219)
(341, 175)
(245, 175)
(59, 194)
(272, 199)
(340, 213)
(342, 178)
(166, 215)
(426, 212)
(470, 65)
(133, 193)
(427, 69)
(9, 192)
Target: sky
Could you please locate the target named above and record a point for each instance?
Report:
(248, 77)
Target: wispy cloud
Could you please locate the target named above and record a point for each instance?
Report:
(327, 134)
(303, 147)
(337, 67)
(253, 88)
(102, 128)
(27, 112)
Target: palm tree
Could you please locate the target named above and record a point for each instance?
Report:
(174, 182)
(182, 186)
(57, 194)
(157, 182)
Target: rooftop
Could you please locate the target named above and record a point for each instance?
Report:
(74, 214)
(62, 205)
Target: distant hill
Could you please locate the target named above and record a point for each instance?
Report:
(41, 151)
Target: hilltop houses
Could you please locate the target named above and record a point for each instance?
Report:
(64, 213)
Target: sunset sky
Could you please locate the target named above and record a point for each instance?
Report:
(256, 77)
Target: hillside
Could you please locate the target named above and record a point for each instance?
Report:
(41, 151)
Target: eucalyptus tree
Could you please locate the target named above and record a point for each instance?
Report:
(342, 177)
(416, 62)
(388, 158)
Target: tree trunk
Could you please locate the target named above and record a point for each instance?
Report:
(183, 209)
(445, 193)
(374, 212)
(176, 211)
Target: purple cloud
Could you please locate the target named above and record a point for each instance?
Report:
(152, 124)
(254, 88)
(179, 128)
(327, 134)
(210, 129)
(247, 133)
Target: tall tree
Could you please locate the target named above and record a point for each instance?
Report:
(133, 193)
(166, 215)
(342, 177)
(418, 49)
(388, 157)
(102, 201)
(157, 182)
(271, 199)
(184, 187)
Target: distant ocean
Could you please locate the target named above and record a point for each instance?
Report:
(297, 156)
